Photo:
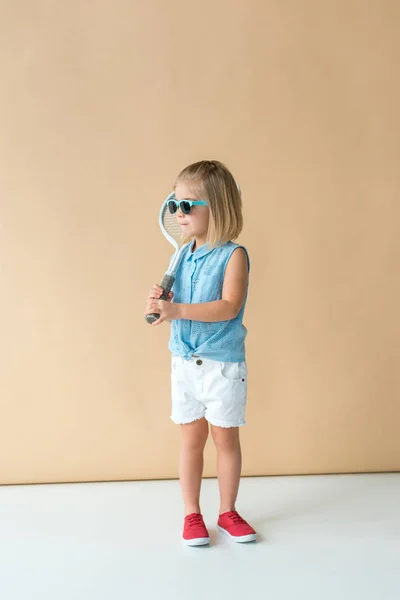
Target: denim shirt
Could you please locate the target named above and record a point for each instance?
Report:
(199, 279)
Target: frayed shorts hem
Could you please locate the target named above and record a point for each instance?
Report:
(215, 422)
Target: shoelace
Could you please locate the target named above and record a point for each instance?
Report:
(195, 520)
(236, 518)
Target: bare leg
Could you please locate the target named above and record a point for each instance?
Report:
(194, 437)
(229, 465)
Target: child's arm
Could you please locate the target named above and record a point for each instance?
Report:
(233, 294)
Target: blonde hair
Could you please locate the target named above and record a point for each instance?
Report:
(212, 181)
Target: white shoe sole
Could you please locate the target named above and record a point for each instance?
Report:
(243, 539)
(197, 542)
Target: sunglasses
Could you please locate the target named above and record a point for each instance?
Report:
(184, 205)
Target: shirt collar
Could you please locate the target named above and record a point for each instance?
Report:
(200, 252)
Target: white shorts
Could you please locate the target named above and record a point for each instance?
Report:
(207, 388)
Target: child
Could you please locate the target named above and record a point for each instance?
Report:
(209, 373)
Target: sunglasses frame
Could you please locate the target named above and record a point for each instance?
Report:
(190, 202)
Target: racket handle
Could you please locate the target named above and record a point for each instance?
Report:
(166, 284)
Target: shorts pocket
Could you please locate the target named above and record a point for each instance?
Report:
(234, 371)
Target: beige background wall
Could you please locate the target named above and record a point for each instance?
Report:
(102, 103)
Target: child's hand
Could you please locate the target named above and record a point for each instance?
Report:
(166, 309)
(156, 292)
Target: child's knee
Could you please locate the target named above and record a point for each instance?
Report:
(195, 434)
(226, 439)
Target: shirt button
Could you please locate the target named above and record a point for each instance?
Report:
(199, 362)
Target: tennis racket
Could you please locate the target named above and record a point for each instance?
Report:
(172, 231)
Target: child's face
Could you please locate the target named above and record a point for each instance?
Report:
(196, 223)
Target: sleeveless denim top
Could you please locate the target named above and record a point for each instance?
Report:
(199, 279)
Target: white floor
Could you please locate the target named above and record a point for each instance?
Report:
(321, 537)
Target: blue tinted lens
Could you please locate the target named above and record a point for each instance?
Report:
(185, 207)
(172, 207)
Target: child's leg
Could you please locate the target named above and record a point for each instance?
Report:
(194, 437)
(229, 465)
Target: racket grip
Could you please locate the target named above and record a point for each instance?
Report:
(166, 284)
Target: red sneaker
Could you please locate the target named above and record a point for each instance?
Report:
(237, 528)
(194, 531)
